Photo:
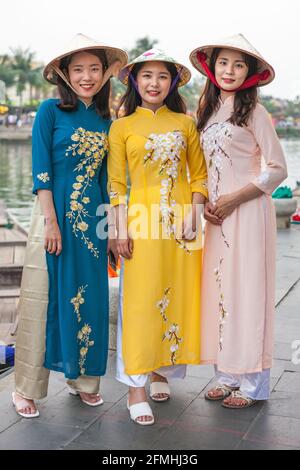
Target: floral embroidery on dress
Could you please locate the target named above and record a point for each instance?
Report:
(222, 311)
(77, 301)
(84, 340)
(44, 177)
(92, 146)
(214, 140)
(263, 178)
(84, 333)
(171, 333)
(165, 149)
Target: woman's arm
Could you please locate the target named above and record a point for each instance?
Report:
(117, 187)
(42, 136)
(266, 182)
(198, 182)
(124, 242)
(227, 203)
(52, 243)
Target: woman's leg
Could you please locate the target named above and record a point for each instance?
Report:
(225, 383)
(87, 387)
(31, 377)
(163, 374)
(254, 386)
(136, 383)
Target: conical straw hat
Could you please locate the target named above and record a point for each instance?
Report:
(156, 55)
(80, 43)
(239, 43)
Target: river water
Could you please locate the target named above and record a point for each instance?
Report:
(16, 183)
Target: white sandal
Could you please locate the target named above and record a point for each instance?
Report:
(24, 415)
(159, 387)
(138, 410)
(72, 391)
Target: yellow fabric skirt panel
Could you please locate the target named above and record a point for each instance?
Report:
(161, 324)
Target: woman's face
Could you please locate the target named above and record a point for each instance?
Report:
(153, 81)
(231, 69)
(86, 75)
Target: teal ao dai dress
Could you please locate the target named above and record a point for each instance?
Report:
(69, 151)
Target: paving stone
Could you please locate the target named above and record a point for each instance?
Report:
(275, 431)
(34, 435)
(200, 432)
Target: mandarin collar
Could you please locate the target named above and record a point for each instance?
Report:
(149, 112)
(85, 106)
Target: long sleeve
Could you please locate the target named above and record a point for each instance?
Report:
(196, 162)
(103, 177)
(268, 142)
(42, 134)
(117, 186)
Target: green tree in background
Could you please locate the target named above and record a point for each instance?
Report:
(25, 73)
(141, 45)
(7, 74)
(191, 93)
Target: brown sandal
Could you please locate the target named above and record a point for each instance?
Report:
(225, 389)
(237, 394)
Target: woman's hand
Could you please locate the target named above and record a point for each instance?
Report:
(209, 214)
(125, 247)
(52, 242)
(191, 222)
(225, 205)
(112, 246)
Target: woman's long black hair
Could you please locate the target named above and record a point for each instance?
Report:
(69, 100)
(131, 99)
(244, 100)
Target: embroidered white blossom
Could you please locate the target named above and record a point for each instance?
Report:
(263, 178)
(215, 140)
(166, 149)
(44, 177)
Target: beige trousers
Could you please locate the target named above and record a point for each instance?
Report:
(31, 377)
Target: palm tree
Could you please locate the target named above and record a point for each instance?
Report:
(7, 75)
(35, 81)
(22, 66)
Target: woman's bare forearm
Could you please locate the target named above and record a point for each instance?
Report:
(47, 204)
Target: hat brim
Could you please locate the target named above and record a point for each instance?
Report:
(184, 73)
(262, 64)
(113, 54)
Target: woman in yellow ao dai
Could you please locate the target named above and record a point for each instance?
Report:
(159, 318)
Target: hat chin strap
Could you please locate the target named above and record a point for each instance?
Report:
(112, 70)
(250, 82)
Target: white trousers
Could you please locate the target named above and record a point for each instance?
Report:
(255, 386)
(170, 372)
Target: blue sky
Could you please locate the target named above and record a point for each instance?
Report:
(272, 27)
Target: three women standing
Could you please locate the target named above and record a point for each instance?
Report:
(68, 330)
(159, 315)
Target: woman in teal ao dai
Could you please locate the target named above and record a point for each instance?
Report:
(69, 158)
(69, 148)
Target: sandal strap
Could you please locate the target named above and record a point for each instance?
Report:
(224, 388)
(159, 387)
(238, 394)
(140, 409)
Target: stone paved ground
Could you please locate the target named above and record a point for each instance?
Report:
(187, 421)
